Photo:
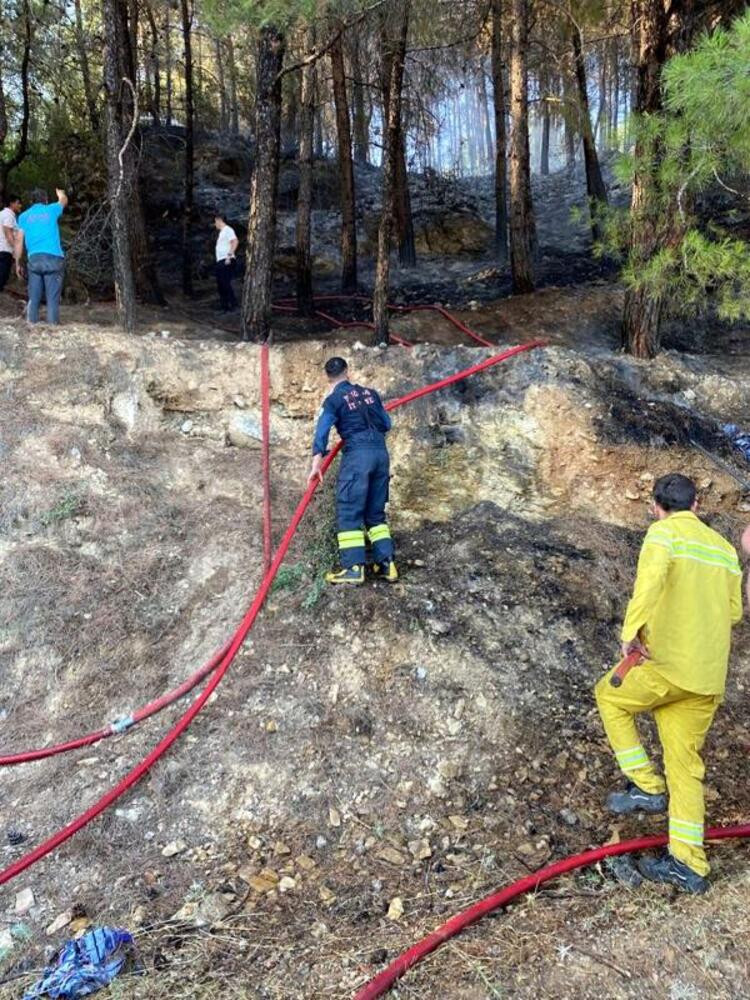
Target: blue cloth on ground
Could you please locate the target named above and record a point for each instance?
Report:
(40, 229)
(84, 966)
(740, 439)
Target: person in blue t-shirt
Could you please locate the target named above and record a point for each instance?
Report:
(39, 230)
(362, 492)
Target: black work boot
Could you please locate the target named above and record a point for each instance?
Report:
(634, 799)
(667, 869)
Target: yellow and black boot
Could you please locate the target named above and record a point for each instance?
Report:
(386, 571)
(352, 575)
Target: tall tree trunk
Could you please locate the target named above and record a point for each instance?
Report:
(407, 247)
(83, 59)
(187, 213)
(261, 231)
(407, 250)
(120, 181)
(168, 63)
(398, 19)
(522, 224)
(153, 67)
(289, 111)
(487, 152)
(234, 111)
(318, 132)
(223, 102)
(570, 132)
(22, 146)
(361, 121)
(346, 171)
(305, 303)
(498, 91)
(597, 192)
(615, 109)
(544, 150)
(656, 35)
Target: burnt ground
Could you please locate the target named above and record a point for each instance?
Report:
(425, 743)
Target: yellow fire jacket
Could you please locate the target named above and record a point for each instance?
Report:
(687, 596)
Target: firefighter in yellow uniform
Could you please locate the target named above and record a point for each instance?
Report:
(687, 596)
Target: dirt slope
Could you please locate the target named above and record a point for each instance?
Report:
(426, 742)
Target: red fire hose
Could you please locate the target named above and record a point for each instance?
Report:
(128, 721)
(384, 980)
(124, 723)
(234, 644)
(286, 305)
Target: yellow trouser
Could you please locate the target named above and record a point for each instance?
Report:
(683, 719)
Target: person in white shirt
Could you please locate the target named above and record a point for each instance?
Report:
(226, 248)
(8, 237)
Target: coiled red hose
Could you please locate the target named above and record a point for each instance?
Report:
(385, 979)
(136, 773)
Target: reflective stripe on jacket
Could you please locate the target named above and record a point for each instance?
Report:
(687, 596)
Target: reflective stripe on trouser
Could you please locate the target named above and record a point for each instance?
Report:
(683, 719)
(382, 545)
(361, 496)
(352, 547)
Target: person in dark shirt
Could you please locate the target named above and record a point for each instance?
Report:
(362, 422)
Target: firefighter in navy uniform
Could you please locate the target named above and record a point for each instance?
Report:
(362, 491)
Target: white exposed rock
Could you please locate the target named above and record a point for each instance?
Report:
(244, 430)
(24, 901)
(6, 942)
(60, 921)
(173, 849)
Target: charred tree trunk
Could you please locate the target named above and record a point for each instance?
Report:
(234, 111)
(168, 63)
(522, 224)
(498, 90)
(597, 192)
(407, 248)
(120, 181)
(346, 171)
(361, 120)
(544, 150)
(223, 102)
(485, 115)
(305, 303)
(395, 52)
(83, 59)
(657, 34)
(643, 310)
(261, 231)
(188, 179)
(615, 123)
(22, 146)
(570, 131)
(153, 68)
(318, 132)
